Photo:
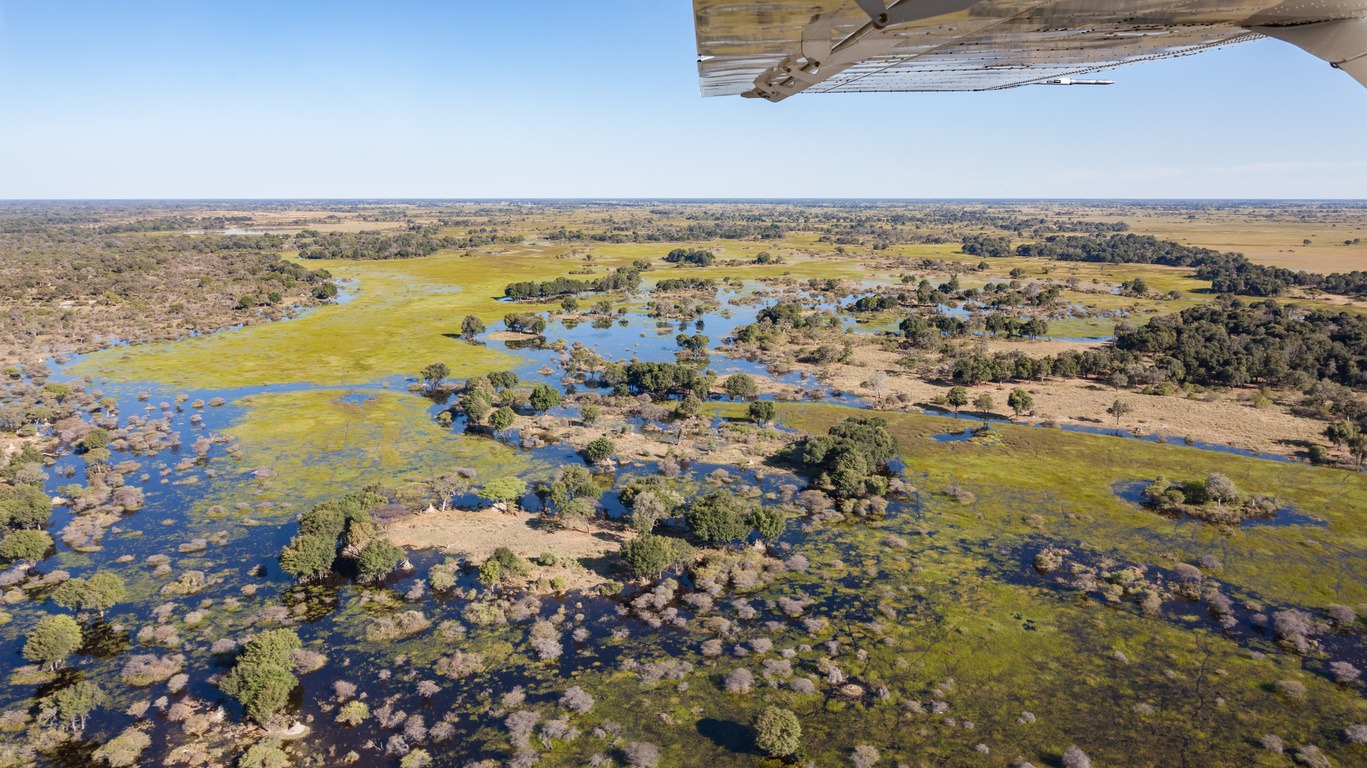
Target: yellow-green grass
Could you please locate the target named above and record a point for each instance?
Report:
(319, 445)
(1073, 475)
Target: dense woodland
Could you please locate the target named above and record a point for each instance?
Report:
(66, 288)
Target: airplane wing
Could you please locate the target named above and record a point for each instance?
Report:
(773, 49)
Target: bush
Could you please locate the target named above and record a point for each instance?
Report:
(544, 397)
(267, 754)
(777, 732)
(503, 565)
(24, 506)
(123, 750)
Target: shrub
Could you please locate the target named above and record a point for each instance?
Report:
(123, 750)
(777, 732)
(267, 754)
(503, 565)
(544, 397)
(642, 754)
(1074, 757)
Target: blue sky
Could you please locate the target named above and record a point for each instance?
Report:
(599, 98)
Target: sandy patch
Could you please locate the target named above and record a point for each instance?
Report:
(477, 534)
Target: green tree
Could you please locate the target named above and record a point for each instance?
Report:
(309, 557)
(502, 419)
(544, 397)
(434, 374)
(1020, 401)
(471, 327)
(74, 703)
(591, 414)
(770, 522)
(957, 398)
(505, 490)
(477, 406)
(762, 411)
(719, 517)
(1120, 409)
(24, 506)
(1341, 433)
(689, 406)
(28, 545)
(983, 403)
(649, 555)
(97, 594)
(52, 640)
(599, 450)
(378, 559)
(741, 385)
(777, 732)
(261, 679)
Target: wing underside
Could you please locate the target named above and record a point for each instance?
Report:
(777, 48)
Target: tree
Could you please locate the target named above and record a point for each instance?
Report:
(74, 703)
(769, 522)
(52, 640)
(591, 414)
(599, 450)
(261, 679)
(647, 509)
(777, 732)
(719, 517)
(477, 406)
(471, 327)
(502, 419)
(505, 490)
(762, 411)
(1341, 433)
(544, 397)
(24, 506)
(378, 559)
(1020, 401)
(1120, 409)
(97, 594)
(741, 385)
(434, 375)
(983, 403)
(649, 555)
(957, 398)
(448, 486)
(309, 557)
(28, 545)
(876, 382)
